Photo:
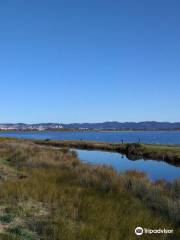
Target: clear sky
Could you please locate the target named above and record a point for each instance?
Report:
(89, 60)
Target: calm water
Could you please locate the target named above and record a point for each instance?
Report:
(165, 137)
(155, 169)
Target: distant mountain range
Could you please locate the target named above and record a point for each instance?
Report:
(111, 126)
(127, 125)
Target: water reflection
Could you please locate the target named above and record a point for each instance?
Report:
(155, 169)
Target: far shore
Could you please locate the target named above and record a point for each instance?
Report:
(92, 130)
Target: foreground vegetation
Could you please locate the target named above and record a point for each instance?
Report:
(49, 194)
(168, 153)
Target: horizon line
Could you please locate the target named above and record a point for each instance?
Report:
(146, 121)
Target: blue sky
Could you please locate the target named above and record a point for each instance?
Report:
(89, 61)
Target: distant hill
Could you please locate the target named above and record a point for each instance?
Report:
(151, 125)
(113, 126)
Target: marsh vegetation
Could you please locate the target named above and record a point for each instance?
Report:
(48, 194)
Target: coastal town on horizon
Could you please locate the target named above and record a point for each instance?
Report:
(106, 126)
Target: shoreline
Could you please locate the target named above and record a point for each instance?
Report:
(134, 151)
(93, 130)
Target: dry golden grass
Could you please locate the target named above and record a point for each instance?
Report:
(54, 196)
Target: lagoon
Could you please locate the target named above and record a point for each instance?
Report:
(155, 169)
(152, 137)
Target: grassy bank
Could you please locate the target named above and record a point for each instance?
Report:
(48, 193)
(168, 153)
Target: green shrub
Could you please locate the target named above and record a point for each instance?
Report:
(22, 233)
